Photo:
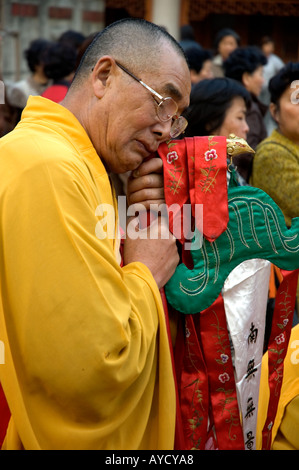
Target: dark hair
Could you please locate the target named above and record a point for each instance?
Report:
(266, 40)
(282, 80)
(72, 39)
(187, 32)
(224, 33)
(59, 61)
(34, 53)
(196, 56)
(133, 41)
(209, 101)
(243, 59)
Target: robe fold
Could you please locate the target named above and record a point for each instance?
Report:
(87, 361)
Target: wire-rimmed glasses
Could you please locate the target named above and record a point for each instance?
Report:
(166, 107)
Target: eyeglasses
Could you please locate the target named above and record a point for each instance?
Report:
(167, 108)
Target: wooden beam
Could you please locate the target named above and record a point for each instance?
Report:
(148, 7)
(185, 8)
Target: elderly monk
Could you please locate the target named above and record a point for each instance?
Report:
(87, 360)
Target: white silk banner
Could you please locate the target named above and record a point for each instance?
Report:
(245, 295)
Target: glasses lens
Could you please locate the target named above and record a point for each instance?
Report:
(167, 109)
(178, 126)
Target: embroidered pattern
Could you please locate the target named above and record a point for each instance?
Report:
(197, 411)
(176, 172)
(281, 340)
(175, 180)
(210, 155)
(224, 364)
(210, 172)
(171, 157)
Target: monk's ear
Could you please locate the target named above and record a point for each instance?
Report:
(101, 75)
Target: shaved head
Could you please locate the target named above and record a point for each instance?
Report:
(133, 42)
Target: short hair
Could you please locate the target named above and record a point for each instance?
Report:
(266, 40)
(34, 53)
(243, 59)
(134, 42)
(187, 32)
(72, 38)
(209, 101)
(59, 61)
(196, 56)
(282, 80)
(223, 33)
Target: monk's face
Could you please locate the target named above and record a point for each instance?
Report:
(129, 130)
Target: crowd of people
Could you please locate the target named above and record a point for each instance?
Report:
(236, 89)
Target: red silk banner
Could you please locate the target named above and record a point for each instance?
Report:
(210, 166)
(278, 345)
(195, 173)
(206, 385)
(193, 388)
(217, 354)
(4, 416)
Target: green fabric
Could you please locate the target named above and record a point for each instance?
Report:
(256, 229)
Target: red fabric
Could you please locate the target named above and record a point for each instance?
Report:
(210, 166)
(223, 394)
(4, 416)
(195, 173)
(55, 93)
(205, 380)
(192, 383)
(278, 345)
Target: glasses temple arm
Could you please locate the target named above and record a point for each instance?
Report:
(140, 81)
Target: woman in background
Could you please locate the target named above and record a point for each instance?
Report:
(246, 66)
(59, 66)
(276, 162)
(200, 63)
(226, 41)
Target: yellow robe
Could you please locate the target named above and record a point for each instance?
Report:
(87, 361)
(285, 430)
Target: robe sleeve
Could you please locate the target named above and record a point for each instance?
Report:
(87, 358)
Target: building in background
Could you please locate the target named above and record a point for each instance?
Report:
(250, 19)
(24, 20)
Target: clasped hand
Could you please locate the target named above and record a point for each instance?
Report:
(159, 252)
